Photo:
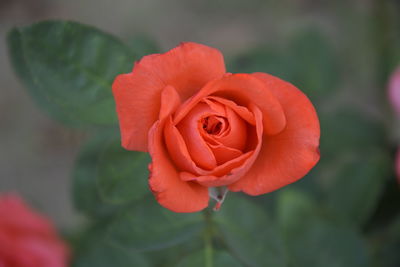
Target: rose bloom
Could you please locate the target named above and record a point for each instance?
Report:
(26, 238)
(394, 90)
(212, 131)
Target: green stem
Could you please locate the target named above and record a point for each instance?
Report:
(208, 234)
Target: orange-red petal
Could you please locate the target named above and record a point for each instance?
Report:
(170, 191)
(165, 183)
(232, 170)
(236, 137)
(243, 112)
(198, 149)
(289, 155)
(187, 68)
(243, 89)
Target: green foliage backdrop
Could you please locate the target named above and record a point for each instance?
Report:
(334, 217)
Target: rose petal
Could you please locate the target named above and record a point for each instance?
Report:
(177, 148)
(198, 149)
(187, 68)
(23, 221)
(289, 155)
(233, 170)
(243, 112)
(165, 183)
(223, 153)
(236, 137)
(243, 89)
(27, 238)
(169, 107)
(170, 191)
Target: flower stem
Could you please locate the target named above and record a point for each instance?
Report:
(208, 234)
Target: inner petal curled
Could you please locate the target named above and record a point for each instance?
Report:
(211, 140)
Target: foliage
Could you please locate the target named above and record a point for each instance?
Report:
(327, 219)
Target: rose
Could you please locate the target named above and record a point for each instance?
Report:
(26, 238)
(394, 90)
(207, 129)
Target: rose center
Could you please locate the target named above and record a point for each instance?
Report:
(214, 125)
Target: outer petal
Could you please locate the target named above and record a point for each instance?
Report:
(289, 155)
(23, 219)
(169, 190)
(27, 238)
(187, 68)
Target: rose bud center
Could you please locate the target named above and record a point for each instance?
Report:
(214, 125)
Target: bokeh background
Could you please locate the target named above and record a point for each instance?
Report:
(341, 53)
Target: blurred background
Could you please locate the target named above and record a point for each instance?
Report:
(340, 53)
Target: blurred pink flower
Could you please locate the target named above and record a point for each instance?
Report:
(27, 239)
(394, 90)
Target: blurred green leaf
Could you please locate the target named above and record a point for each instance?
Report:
(314, 63)
(295, 210)
(313, 241)
(249, 234)
(357, 186)
(387, 245)
(95, 250)
(143, 45)
(103, 254)
(69, 68)
(354, 164)
(347, 130)
(172, 255)
(122, 175)
(307, 60)
(262, 59)
(85, 191)
(220, 258)
(148, 226)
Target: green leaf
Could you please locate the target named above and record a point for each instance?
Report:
(96, 251)
(249, 234)
(68, 68)
(85, 191)
(386, 244)
(313, 241)
(357, 186)
(314, 63)
(262, 59)
(148, 226)
(347, 130)
(172, 255)
(122, 175)
(220, 258)
(295, 210)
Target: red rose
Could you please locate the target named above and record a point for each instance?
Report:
(206, 128)
(26, 238)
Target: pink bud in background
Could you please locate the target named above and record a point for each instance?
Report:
(28, 239)
(394, 90)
